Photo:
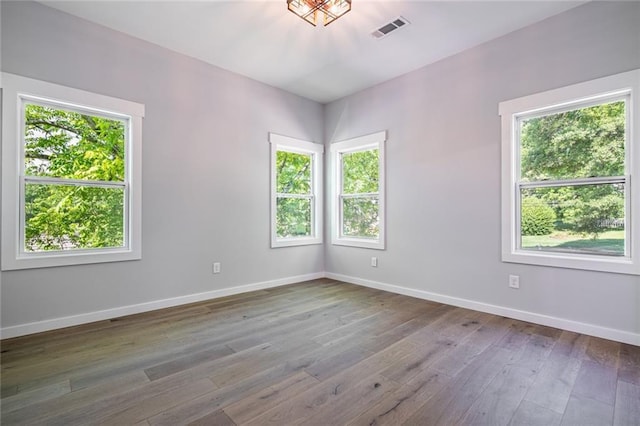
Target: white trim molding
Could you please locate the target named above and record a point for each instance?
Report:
(18, 91)
(57, 323)
(547, 320)
(315, 152)
(623, 87)
(374, 141)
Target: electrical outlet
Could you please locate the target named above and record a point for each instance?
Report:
(514, 281)
(374, 262)
(216, 267)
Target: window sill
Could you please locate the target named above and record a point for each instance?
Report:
(48, 260)
(618, 265)
(293, 242)
(359, 242)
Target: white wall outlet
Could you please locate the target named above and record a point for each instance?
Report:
(374, 262)
(514, 281)
(216, 267)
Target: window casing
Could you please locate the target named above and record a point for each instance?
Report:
(569, 158)
(296, 191)
(359, 191)
(71, 176)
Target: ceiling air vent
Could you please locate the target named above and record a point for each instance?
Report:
(388, 28)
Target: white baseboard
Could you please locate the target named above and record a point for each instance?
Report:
(562, 323)
(56, 323)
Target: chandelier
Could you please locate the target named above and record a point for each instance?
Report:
(310, 9)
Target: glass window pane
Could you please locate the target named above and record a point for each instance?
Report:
(360, 217)
(360, 172)
(293, 173)
(66, 144)
(586, 219)
(293, 217)
(64, 217)
(585, 142)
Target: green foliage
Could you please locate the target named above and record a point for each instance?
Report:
(360, 172)
(537, 217)
(360, 217)
(360, 176)
(581, 143)
(294, 204)
(68, 145)
(293, 176)
(64, 217)
(293, 173)
(609, 242)
(588, 215)
(293, 217)
(573, 144)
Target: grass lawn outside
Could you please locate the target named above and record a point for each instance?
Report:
(608, 243)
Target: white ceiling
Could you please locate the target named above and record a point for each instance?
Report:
(260, 39)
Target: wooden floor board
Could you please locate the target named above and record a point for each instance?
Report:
(628, 370)
(554, 383)
(531, 414)
(317, 353)
(587, 412)
(452, 403)
(400, 405)
(253, 405)
(597, 382)
(627, 407)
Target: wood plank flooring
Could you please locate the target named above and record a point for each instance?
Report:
(318, 353)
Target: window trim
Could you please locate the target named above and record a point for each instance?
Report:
(362, 143)
(289, 144)
(583, 95)
(17, 89)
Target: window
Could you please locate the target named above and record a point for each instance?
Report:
(70, 176)
(359, 191)
(296, 191)
(567, 176)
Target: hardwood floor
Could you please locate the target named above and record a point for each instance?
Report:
(318, 353)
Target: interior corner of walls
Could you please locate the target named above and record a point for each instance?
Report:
(85, 318)
(533, 317)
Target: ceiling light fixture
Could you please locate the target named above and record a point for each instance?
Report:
(310, 9)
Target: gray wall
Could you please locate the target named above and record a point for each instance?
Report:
(205, 168)
(443, 167)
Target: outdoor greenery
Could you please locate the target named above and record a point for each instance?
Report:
(294, 190)
(537, 217)
(608, 242)
(359, 188)
(61, 146)
(581, 143)
(360, 179)
(64, 148)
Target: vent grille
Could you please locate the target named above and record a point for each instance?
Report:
(389, 27)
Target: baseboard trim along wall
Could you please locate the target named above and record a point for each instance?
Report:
(56, 323)
(562, 323)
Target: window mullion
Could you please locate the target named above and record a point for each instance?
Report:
(287, 195)
(572, 220)
(73, 182)
(361, 195)
(573, 182)
(286, 223)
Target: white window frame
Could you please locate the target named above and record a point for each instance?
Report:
(17, 90)
(316, 151)
(362, 143)
(579, 95)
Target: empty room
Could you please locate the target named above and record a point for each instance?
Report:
(320, 212)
